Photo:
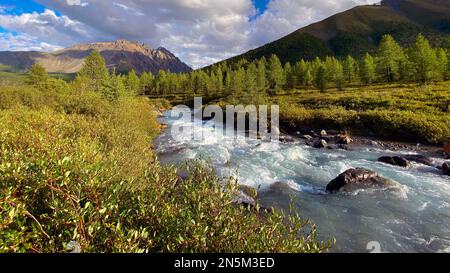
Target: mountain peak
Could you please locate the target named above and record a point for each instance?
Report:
(121, 55)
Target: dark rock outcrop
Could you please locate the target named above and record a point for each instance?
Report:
(394, 160)
(358, 178)
(446, 168)
(320, 143)
(419, 159)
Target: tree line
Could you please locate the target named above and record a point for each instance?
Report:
(253, 81)
(390, 63)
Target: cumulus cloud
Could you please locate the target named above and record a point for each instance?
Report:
(200, 32)
(49, 27)
(24, 42)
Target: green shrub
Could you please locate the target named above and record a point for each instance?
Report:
(74, 167)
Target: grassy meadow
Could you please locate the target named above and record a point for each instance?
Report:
(407, 112)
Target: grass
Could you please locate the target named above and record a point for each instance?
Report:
(400, 111)
(75, 167)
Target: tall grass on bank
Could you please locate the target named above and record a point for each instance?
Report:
(399, 112)
(75, 167)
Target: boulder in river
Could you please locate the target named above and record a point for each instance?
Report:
(446, 168)
(320, 143)
(323, 133)
(359, 178)
(343, 139)
(419, 159)
(394, 160)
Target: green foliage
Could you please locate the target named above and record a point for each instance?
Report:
(424, 60)
(275, 75)
(389, 56)
(133, 83)
(75, 167)
(367, 71)
(36, 75)
(404, 112)
(94, 71)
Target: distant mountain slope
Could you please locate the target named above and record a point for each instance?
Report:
(122, 55)
(359, 30)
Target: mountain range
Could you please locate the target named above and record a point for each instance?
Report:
(359, 30)
(121, 55)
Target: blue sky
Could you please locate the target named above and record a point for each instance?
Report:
(199, 32)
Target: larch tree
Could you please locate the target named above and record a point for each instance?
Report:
(94, 70)
(367, 69)
(389, 56)
(36, 75)
(423, 59)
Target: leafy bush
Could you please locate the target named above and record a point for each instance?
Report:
(74, 170)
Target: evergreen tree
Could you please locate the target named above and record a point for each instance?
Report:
(308, 80)
(36, 75)
(320, 79)
(388, 58)
(146, 83)
(261, 78)
(289, 76)
(114, 87)
(350, 69)
(276, 75)
(442, 64)
(423, 59)
(300, 70)
(367, 69)
(133, 83)
(95, 70)
(251, 79)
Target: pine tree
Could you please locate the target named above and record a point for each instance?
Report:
(423, 59)
(308, 80)
(261, 78)
(350, 68)
(320, 79)
(442, 64)
(36, 75)
(289, 76)
(146, 83)
(276, 75)
(300, 70)
(367, 69)
(133, 83)
(114, 87)
(388, 58)
(250, 79)
(95, 70)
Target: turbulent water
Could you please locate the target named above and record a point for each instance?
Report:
(414, 219)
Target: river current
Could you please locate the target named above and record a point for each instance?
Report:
(414, 219)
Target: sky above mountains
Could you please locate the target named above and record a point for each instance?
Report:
(199, 32)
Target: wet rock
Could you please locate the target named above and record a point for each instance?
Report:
(343, 146)
(358, 178)
(394, 160)
(373, 143)
(323, 133)
(419, 159)
(307, 137)
(320, 143)
(343, 139)
(446, 168)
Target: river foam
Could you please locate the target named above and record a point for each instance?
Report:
(415, 218)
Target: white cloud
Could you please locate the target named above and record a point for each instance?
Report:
(76, 3)
(200, 32)
(23, 42)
